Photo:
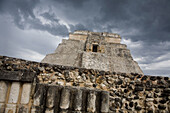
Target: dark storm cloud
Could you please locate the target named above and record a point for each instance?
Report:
(72, 3)
(78, 27)
(150, 18)
(22, 12)
(50, 17)
(17, 9)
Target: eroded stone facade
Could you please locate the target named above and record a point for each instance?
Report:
(93, 50)
(56, 89)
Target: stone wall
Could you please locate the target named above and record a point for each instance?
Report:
(83, 35)
(21, 91)
(54, 88)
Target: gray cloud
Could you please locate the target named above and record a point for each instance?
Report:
(150, 18)
(23, 16)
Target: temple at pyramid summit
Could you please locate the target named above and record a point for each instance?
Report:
(94, 50)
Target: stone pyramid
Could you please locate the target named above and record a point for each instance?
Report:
(94, 50)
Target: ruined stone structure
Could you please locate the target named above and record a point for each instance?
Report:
(93, 50)
(32, 87)
(88, 73)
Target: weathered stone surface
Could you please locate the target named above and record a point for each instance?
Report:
(49, 110)
(23, 109)
(105, 102)
(37, 109)
(26, 93)
(78, 100)
(2, 107)
(10, 108)
(39, 95)
(162, 107)
(25, 76)
(128, 92)
(77, 112)
(3, 90)
(91, 102)
(51, 97)
(65, 98)
(14, 92)
(64, 111)
(94, 51)
(138, 88)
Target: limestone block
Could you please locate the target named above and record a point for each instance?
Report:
(25, 93)
(33, 110)
(50, 97)
(77, 37)
(10, 108)
(68, 84)
(88, 84)
(3, 91)
(14, 92)
(60, 82)
(37, 109)
(81, 32)
(91, 102)
(168, 106)
(65, 98)
(77, 112)
(105, 102)
(23, 109)
(39, 95)
(26, 76)
(49, 110)
(112, 40)
(78, 100)
(2, 107)
(64, 111)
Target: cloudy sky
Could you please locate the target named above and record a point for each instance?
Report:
(30, 29)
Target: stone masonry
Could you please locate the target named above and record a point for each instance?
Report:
(32, 87)
(94, 50)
